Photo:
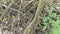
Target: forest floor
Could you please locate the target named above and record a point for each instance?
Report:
(16, 15)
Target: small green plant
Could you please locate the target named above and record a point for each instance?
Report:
(51, 22)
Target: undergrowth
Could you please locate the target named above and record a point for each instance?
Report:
(51, 22)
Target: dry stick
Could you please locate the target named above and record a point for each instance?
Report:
(40, 7)
(22, 1)
(5, 11)
(6, 8)
(28, 3)
(12, 1)
(9, 8)
(28, 11)
(29, 20)
(18, 18)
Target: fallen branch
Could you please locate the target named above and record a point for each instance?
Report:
(36, 20)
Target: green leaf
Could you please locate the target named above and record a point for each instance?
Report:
(45, 27)
(52, 8)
